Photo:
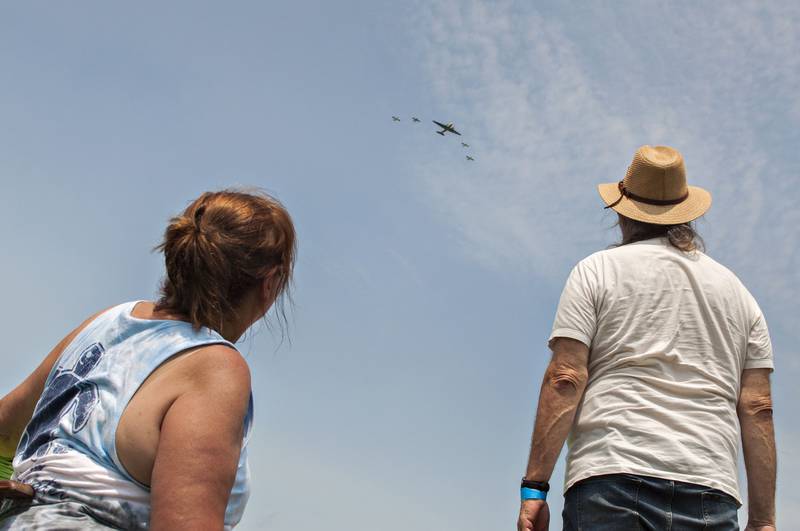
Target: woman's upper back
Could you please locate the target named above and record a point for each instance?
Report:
(71, 447)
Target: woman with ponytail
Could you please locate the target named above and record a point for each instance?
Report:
(140, 417)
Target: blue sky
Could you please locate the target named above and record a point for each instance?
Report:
(426, 285)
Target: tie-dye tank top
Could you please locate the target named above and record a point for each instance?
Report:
(68, 453)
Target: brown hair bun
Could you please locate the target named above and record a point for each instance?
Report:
(221, 247)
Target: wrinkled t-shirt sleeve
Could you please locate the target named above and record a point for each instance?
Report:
(759, 346)
(576, 317)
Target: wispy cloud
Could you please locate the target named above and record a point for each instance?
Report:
(555, 102)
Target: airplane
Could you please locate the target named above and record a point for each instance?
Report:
(446, 128)
(470, 158)
(395, 118)
(415, 118)
(465, 145)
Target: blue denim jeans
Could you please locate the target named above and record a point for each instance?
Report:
(622, 502)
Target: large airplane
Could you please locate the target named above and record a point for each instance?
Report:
(446, 128)
(395, 118)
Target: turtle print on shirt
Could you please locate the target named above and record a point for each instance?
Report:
(67, 392)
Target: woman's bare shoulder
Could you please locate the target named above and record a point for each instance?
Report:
(216, 365)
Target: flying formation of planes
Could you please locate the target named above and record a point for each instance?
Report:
(445, 128)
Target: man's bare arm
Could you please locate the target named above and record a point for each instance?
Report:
(758, 441)
(562, 389)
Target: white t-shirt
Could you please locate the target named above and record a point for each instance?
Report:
(669, 335)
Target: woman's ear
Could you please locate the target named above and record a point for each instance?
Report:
(268, 287)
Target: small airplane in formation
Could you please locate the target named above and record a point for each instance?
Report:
(470, 158)
(414, 118)
(446, 128)
(465, 145)
(395, 118)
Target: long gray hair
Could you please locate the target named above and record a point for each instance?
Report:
(683, 236)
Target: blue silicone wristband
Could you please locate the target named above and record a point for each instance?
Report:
(532, 494)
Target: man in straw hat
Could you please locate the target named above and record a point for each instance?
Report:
(661, 359)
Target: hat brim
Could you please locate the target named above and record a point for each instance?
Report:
(695, 205)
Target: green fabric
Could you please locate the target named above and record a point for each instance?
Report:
(5, 468)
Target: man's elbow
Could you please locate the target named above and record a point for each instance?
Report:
(565, 378)
(759, 406)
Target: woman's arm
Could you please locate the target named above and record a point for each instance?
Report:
(16, 408)
(199, 444)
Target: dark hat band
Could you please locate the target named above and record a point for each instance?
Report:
(630, 195)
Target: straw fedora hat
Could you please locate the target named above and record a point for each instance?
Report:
(655, 191)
